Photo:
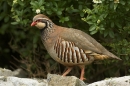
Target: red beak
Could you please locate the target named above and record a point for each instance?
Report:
(33, 23)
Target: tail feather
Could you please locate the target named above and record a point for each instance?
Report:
(101, 57)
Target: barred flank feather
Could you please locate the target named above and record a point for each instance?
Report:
(68, 52)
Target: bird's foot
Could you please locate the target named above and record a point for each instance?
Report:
(82, 78)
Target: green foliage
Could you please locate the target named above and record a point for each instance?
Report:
(111, 20)
(108, 22)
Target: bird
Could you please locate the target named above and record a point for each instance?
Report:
(68, 46)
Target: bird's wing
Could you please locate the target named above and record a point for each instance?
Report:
(84, 41)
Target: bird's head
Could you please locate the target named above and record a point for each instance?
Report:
(41, 21)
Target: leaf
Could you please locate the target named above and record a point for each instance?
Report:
(74, 10)
(54, 9)
(59, 12)
(115, 6)
(89, 22)
(41, 2)
(105, 33)
(93, 32)
(55, 4)
(49, 12)
(80, 7)
(6, 19)
(112, 24)
(122, 2)
(81, 14)
(111, 5)
(89, 18)
(62, 20)
(102, 28)
(14, 23)
(93, 27)
(127, 8)
(66, 18)
(69, 24)
(111, 34)
(118, 25)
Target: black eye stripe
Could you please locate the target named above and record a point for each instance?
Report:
(44, 20)
(41, 20)
(38, 20)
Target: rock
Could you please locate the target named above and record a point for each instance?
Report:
(119, 81)
(8, 78)
(15, 81)
(17, 72)
(5, 72)
(20, 73)
(57, 80)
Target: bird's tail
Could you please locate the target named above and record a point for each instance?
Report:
(101, 57)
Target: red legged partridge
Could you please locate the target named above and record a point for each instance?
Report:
(69, 46)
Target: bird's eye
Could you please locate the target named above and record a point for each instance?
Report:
(38, 20)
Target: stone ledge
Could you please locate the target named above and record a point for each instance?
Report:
(5, 72)
(58, 80)
(119, 81)
(8, 78)
(15, 81)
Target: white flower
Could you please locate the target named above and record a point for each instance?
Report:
(116, 1)
(98, 21)
(38, 11)
(97, 1)
(15, 1)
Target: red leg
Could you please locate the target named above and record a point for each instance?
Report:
(68, 70)
(82, 74)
